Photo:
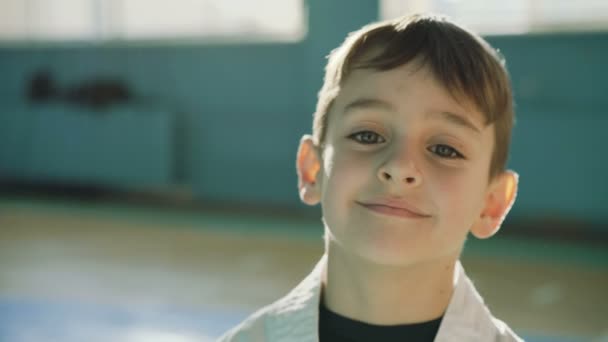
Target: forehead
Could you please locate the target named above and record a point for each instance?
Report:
(411, 87)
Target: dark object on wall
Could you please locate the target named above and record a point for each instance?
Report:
(93, 93)
(41, 87)
(98, 94)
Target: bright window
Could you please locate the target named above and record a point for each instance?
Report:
(86, 20)
(510, 16)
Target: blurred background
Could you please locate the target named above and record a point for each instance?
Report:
(147, 180)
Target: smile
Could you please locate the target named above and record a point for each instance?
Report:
(392, 211)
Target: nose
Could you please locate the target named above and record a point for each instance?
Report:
(400, 168)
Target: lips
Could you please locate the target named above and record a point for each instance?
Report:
(394, 207)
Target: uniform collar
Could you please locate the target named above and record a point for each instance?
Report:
(466, 318)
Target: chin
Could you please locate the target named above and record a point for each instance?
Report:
(390, 255)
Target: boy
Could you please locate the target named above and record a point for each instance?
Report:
(408, 153)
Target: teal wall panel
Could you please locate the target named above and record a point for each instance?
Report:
(241, 108)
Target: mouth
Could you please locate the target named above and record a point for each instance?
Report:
(393, 211)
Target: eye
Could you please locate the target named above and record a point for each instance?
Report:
(445, 151)
(367, 137)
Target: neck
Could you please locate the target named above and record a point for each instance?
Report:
(387, 294)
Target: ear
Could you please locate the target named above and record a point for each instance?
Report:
(308, 164)
(499, 200)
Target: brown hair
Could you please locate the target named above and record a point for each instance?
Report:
(467, 66)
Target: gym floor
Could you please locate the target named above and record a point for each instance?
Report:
(75, 270)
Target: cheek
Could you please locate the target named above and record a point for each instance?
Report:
(460, 195)
(342, 165)
(345, 174)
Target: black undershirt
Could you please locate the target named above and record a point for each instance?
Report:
(336, 328)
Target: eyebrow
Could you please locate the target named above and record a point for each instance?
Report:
(456, 119)
(372, 103)
(368, 103)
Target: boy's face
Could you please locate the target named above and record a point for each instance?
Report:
(403, 175)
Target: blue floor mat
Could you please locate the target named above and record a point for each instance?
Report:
(33, 321)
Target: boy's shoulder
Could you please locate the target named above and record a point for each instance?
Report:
(295, 316)
(251, 329)
(467, 317)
